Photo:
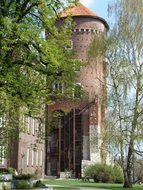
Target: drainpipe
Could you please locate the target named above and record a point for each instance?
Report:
(74, 139)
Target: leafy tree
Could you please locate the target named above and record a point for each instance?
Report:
(126, 84)
(32, 56)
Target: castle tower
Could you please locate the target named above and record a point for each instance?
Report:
(77, 142)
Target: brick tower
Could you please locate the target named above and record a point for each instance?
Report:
(77, 142)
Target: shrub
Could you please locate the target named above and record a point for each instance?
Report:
(21, 184)
(11, 170)
(118, 175)
(5, 187)
(3, 171)
(8, 170)
(39, 184)
(104, 173)
(23, 177)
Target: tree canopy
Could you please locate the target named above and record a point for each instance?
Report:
(33, 56)
(32, 51)
(125, 54)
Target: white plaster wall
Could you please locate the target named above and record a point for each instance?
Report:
(86, 150)
(95, 142)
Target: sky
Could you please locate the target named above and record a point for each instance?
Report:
(100, 7)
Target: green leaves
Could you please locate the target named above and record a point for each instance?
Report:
(27, 60)
(99, 46)
(126, 69)
(32, 56)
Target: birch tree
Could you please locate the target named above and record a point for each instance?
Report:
(125, 108)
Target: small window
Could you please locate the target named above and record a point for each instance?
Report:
(2, 121)
(37, 157)
(28, 156)
(27, 123)
(32, 158)
(41, 157)
(2, 155)
(58, 87)
(30, 124)
(70, 45)
(33, 126)
(82, 30)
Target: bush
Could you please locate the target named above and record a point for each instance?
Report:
(11, 170)
(4, 171)
(104, 173)
(23, 177)
(118, 175)
(39, 184)
(5, 187)
(21, 184)
(8, 170)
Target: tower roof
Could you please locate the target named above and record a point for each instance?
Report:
(77, 10)
(80, 10)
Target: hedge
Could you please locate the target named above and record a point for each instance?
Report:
(104, 173)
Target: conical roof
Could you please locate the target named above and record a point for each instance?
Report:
(80, 10)
(77, 10)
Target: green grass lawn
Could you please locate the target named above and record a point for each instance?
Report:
(71, 184)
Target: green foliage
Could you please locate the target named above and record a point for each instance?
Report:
(5, 187)
(31, 61)
(26, 58)
(3, 171)
(118, 174)
(99, 46)
(126, 84)
(104, 173)
(23, 177)
(21, 184)
(39, 183)
(22, 181)
(78, 91)
(28, 62)
(11, 170)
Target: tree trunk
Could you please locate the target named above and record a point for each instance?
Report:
(127, 182)
(129, 168)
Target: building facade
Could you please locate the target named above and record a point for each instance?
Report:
(74, 132)
(25, 151)
(75, 139)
